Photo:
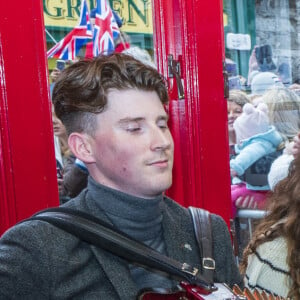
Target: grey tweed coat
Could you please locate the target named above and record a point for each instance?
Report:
(40, 261)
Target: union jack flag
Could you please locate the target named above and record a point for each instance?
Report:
(70, 45)
(105, 29)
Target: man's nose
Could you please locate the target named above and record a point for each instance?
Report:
(161, 139)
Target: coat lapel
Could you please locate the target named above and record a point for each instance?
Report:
(116, 270)
(114, 267)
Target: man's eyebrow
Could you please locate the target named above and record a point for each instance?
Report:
(128, 120)
(138, 119)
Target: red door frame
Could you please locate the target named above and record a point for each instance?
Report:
(27, 170)
(191, 30)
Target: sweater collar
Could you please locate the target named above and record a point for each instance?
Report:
(138, 217)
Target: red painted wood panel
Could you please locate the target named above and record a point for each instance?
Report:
(27, 164)
(192, 31)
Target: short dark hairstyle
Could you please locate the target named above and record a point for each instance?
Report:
(81, 91)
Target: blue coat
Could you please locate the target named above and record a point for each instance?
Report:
(252, 149)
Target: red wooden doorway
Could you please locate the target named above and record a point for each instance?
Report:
(191, 31)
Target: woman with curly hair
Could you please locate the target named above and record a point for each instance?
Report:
(271, 261)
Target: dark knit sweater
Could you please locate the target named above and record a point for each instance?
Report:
(139, 218)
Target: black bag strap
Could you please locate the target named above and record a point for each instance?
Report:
(203, 232)
(102, 234)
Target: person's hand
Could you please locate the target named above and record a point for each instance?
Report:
(55, 74)
(296, 146)
(252, 200)
(246, 201)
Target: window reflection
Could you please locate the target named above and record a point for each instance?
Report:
(272, 28)
(136, 17)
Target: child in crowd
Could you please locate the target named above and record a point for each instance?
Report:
(255, 139)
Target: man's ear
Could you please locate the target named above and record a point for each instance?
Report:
(80, 145)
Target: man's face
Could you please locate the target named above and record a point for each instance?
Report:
(132, 146)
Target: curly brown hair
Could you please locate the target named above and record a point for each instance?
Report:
(283, 219)
(80, 92)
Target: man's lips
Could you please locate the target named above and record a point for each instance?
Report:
(159, 163)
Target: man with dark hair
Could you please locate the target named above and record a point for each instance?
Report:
(113, 110)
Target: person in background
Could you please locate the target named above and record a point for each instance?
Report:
(237, 99)
(261, 83)
(113, 108)
(75, 175)
(271, 259)
(61, 150)
(72, 176)
(246, 199)
(58, 155)
(54, 76)
(60, 132)
(255, 139)
(284, 111)
(284, 114)
(71, 173)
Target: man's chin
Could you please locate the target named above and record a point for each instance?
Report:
(163, 186)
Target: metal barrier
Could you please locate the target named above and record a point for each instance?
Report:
(250, 214)
(242, 227)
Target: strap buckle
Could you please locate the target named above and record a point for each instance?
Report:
(189, 269)
(208, 263)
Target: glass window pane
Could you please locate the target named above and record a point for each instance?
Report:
(272, 26)
(135, 17)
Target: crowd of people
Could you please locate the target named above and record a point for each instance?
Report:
(258, 173)
(114, 154)
(264, 127)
